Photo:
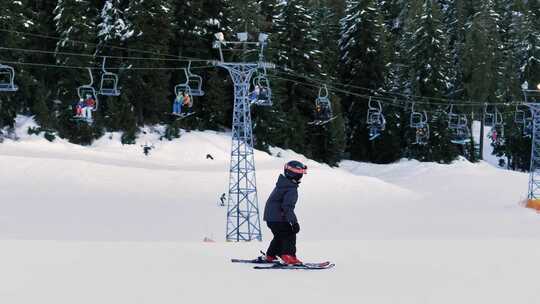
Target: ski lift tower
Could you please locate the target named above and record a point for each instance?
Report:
(243, 220)
(532, 100)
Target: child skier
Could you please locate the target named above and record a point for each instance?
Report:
(280, 217)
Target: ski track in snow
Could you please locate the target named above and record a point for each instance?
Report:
(106, 224)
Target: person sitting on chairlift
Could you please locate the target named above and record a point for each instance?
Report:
(494, 135)
(177, 103)
(89, 105)
(187, 102)
(318, 110)
(264, 94)
(253, 96)
(80, 108)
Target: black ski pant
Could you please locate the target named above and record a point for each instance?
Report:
(284, 241)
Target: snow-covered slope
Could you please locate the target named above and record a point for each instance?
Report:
(106, 224)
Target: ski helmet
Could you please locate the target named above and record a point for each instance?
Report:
(294, 170)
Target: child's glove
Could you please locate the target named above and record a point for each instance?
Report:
(295, 227)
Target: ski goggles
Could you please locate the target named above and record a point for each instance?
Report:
(297, 170)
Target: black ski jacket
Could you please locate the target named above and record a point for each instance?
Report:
(280, 205)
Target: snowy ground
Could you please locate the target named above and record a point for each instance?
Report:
(105, 224)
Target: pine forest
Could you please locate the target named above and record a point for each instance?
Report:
(367, 80)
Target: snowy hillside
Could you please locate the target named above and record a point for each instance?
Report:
(106, 224)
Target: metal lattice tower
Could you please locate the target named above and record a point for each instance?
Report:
(243, 220)
(532, 99)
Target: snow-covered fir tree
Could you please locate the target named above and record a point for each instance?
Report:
(113, 31)
(112, 25)
(328, 142)
(268, 12)
(149, 90)
(297, 53)
(15, 17)
(427, 66)
(483, 52)
(530, 45)
(75, 23)
(362, 64)
(195, 24)
(246, 17)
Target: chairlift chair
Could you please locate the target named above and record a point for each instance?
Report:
(375, 116)
(375, 119)
(323, 105)
(180, 88)
(88, 90)
(194, 82)
(489, 117)
(264, 98)
(519, 116)
(528, 127)
(418, 119)
(532, 96)
(461, 136)
(462, 133)
(453, 119)
(499, 125)
(7, 79)
(109, 82)
(463, 121)
(422, 135)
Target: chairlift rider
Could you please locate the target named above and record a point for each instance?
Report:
(89, 105)
(323, 112)
(258, 94)
(188, 102)
(177, 104)
(254, 95)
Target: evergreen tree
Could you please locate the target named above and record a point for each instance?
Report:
(297, 53)
(268, 12)
(40, 93)
(15, 17)
(196, 23)
(76, 27)
(520, 65)
(269, 122)
(149, 90)
(246, 16)
(428, 64)
(482, 55)
(113, 29)
(531, 44)
(328, 141)
(362, 65)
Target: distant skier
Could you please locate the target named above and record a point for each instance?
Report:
(280, 217)
(222, 199)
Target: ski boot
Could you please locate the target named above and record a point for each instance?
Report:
(290, 260)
